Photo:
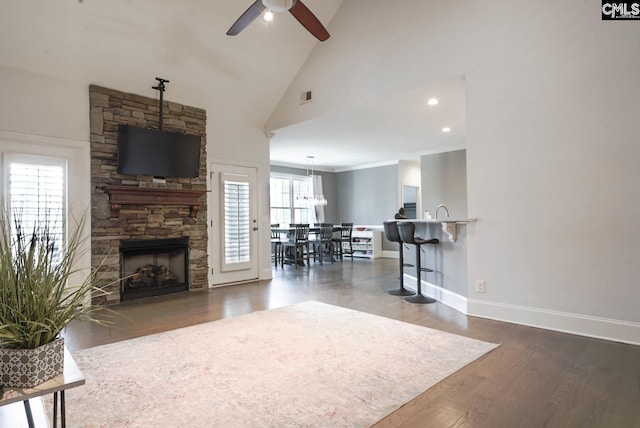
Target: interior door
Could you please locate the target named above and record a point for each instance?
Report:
(233, 228)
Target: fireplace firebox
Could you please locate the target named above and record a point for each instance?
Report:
(153, 267)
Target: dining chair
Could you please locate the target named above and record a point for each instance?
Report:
(323, 244)
(344, 243)
(297, 247)
(276, 244)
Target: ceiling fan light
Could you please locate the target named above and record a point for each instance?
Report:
(278, 5)
(267, 15)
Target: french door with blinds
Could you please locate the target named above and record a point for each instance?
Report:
(234, 224)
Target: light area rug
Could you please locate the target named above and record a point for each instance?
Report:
(305, 365)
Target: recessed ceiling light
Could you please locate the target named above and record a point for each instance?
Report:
(446, 129)
(268, 15)
(432, 101)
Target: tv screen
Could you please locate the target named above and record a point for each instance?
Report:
(158, 153)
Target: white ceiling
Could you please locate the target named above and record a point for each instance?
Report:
(400, 126)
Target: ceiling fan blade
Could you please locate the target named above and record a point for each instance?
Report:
(246, 18)
(309, 21)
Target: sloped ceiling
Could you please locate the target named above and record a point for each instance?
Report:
(265, 57)
(124, 44)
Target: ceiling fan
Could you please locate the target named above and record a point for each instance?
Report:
(295, 7)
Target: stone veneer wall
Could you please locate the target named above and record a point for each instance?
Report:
(109, 108)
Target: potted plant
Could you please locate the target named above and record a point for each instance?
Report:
(37, 298)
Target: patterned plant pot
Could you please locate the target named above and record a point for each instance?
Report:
(26, 368)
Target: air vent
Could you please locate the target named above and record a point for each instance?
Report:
(306, 97)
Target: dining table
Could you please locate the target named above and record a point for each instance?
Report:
(315, 230)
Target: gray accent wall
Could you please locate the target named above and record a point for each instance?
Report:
(367, 196)
(364, 196)
(444, 181)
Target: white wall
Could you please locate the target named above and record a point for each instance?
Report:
(552, 148)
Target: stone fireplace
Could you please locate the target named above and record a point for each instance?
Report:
(130, 209)
(153, 267)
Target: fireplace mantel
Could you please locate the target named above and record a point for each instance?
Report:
(131, 195)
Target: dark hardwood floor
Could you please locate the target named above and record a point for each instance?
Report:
(536, 378)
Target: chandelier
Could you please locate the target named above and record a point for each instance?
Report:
(311, 198)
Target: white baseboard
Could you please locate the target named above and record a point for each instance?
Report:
(583, 325)
(449, 298)
(391, 254)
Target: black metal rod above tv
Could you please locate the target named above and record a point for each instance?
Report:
(160, 88)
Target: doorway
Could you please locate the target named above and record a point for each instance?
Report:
(233, 229)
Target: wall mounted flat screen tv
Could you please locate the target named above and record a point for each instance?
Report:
(158, 153)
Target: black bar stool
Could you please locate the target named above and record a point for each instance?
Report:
(407, 231)
(392, 234)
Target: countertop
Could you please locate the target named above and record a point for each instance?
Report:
(441, 220)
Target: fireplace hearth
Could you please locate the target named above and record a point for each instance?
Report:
(153, 267)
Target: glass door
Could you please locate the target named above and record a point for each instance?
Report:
(234, 224)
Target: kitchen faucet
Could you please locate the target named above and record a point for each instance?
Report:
(445, 208)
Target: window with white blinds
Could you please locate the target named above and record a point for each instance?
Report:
(237, 225)
(35, 192)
